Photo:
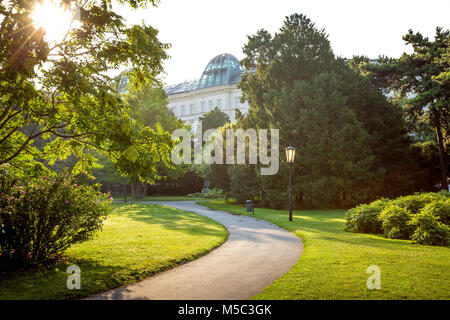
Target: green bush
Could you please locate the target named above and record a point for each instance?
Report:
(396, 222)
(423, 217)
(364, 218)
(211, 194)
(440, 209)
(428, 229)
(43, 218)
(414, 203)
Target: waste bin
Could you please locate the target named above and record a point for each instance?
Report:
(249, 206)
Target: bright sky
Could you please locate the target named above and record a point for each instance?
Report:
(200, 29)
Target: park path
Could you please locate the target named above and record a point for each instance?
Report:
(254, 256)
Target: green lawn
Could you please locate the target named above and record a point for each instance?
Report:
(135, 243)
(334, 262)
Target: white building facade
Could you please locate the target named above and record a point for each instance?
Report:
(215, 88)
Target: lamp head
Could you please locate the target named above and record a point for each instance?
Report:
(290, 154)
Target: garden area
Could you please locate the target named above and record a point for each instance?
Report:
(87, 137)
(334, 262)
(136, 242)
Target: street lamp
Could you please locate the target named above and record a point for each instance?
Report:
(290, 155)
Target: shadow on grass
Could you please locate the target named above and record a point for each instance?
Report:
(173, 219)
(51, 282)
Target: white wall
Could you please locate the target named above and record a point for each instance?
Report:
(180, 103)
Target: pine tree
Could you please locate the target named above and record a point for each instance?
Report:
(347, 135)
(422, 77)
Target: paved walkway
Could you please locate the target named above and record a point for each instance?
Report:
(254, 256)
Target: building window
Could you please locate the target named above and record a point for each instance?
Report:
(191, 109)
(183, 110)
(219, 103)
(203, 106)
(210, 105)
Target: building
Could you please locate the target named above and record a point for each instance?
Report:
(215, 88)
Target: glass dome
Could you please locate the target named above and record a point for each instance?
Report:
(221, 70)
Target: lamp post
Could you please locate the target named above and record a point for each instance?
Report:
(290, 155)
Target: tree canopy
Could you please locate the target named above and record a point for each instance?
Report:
(350, 140)
(64, 93)
(422, 79)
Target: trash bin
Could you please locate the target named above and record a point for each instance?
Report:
(249, 206)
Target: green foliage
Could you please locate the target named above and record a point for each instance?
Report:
(213, 193)
(149, 105)
(351, 142)
(217, 173)
(60, 92)
(396, 222)
(43, 218)
(414, 203)
(178, 185)
(428, 229)
(213, 119)
(424, 217)
(439, 209)
(364, 218)
(243, 183)
(426, 160)
(428, 97)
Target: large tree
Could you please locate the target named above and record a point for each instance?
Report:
(62, 91)
(149, 105)
(422, 77)
(348, 136)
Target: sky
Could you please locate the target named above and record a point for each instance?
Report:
(198, 30)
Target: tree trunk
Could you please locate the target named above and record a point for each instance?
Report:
(138, 190)
(442, 153)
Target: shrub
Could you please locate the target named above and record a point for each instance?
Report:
(440, 209)
(428, 229)
(43, 218)
(211, 194)
(364, 218)
(396, 222)
(414, 203)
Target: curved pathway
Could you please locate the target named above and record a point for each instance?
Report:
(254, 256)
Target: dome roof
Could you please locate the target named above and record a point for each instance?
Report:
(221, 70)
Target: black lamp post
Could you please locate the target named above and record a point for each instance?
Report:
(290, 155)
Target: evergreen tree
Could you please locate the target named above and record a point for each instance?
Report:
(347, 135)
(213, 119)
(423, 78)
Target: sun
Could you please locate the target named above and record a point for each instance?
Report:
(54, 18)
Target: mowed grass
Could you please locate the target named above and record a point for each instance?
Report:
(136, 242)
(334, 262)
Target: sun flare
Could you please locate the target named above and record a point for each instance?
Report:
(54, 18)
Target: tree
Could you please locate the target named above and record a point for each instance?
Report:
(213, 119)
(217, 175)
(149, 105)
(339, 124)
(423, 75)
(62, 92)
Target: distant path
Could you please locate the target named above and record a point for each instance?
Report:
(254, 256)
